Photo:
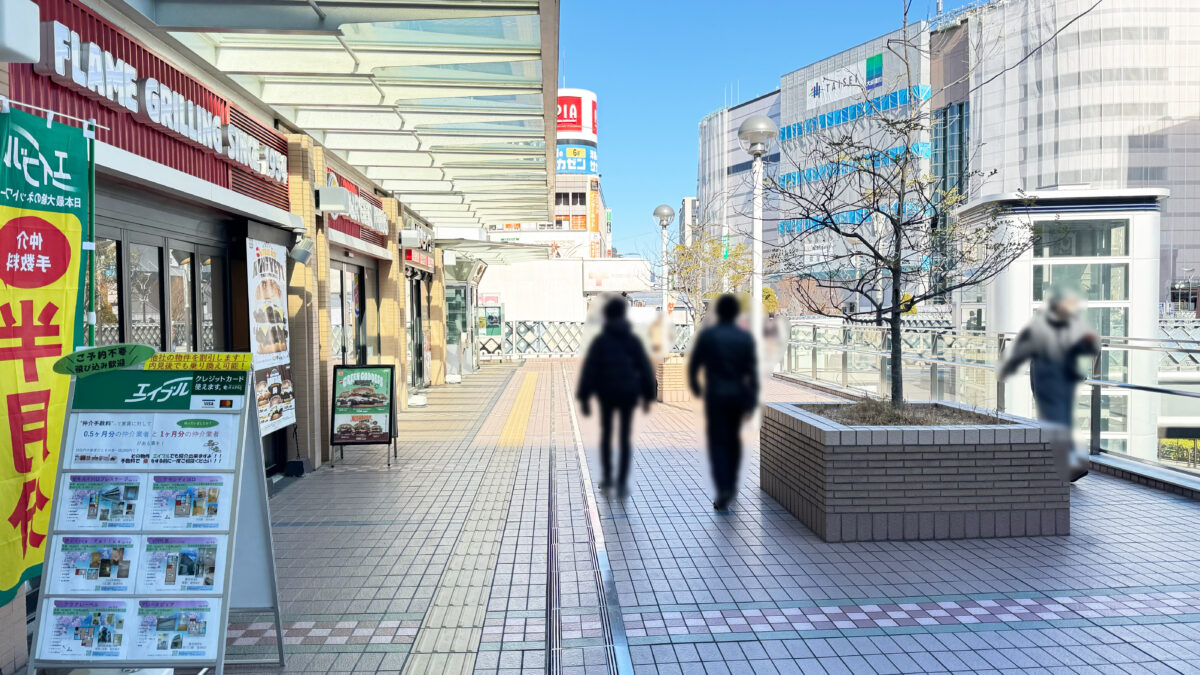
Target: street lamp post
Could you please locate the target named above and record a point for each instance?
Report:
(755, 136)
(665, 214)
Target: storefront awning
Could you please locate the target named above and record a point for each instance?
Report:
(495, 252)
(441, 103)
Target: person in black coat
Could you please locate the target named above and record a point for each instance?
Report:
(617, 372)
(726, 355)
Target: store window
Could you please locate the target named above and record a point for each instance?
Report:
(1081, 238)
(181, 279)
(108, 288)
(145, 295)
(168, 294)
(1101, 282)
(456, 313)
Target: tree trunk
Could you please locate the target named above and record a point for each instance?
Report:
(897, 366)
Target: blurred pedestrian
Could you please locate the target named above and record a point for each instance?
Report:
(1052, 343)
(617, 372)
(725, 353)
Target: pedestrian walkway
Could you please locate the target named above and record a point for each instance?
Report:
(485, 548)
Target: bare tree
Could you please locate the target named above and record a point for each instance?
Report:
(868, 230)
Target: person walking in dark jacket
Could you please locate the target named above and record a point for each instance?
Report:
(726, 355)
(1052, 343)
(617, 372)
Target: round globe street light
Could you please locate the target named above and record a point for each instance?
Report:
(664, 214)
(756, 135)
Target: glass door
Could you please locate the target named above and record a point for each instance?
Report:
(347, 339)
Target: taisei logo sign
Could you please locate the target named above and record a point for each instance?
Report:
(92, 70)
(845, 82)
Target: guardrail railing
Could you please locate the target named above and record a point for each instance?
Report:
(1125, 409)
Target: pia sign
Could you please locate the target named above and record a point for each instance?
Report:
(577, 115)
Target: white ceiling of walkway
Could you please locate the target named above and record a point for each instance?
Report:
(440, 102)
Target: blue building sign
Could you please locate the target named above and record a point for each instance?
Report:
(577, 159)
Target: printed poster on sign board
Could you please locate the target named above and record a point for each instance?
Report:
(45, 199)
(81, 630)
(177, 628)
(114, 441)
(101, 502)
(189, 502)
(362, 405)
(93, 564)
(182, 563)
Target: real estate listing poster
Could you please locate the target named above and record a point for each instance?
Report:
(182, 628)
(185, 563)
(101, 502)
(159, 440)
(189, 502)
(77, 630)
(99, 564)
(362, 405)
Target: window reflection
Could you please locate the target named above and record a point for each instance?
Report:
(108, 292)
(181, 300)
(209, 267)
(145, 296)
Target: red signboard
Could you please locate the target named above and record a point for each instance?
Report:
(570, 113)
(364, 219)
(594, 129)
(418, 258)
(151, 108)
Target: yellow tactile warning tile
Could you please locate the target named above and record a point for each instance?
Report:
(513, 433)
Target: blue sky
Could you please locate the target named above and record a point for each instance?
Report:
(659, 66)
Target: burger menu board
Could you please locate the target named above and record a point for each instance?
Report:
(266, 268)
(362, 405)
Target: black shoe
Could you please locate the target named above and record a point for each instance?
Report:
(622, 491)
(1079, 474)
(605, 486)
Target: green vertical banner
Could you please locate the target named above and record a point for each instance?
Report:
(45, 207)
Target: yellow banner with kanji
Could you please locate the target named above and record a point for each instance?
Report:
(199, 361)
(45, 198)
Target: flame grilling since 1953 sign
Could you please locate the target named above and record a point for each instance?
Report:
(90, 69)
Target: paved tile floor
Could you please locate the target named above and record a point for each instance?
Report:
(485, 549)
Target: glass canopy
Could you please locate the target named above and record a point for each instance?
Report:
(446, 113)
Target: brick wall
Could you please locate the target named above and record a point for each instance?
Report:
(881, 483)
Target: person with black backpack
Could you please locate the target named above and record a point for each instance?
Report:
(618, 373)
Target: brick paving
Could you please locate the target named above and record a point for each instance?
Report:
(479, 551)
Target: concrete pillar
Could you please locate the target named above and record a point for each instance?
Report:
(437, 322)
(302, 315)
(392, 343)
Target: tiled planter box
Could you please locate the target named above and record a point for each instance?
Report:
(672, 380)
(911, 483)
